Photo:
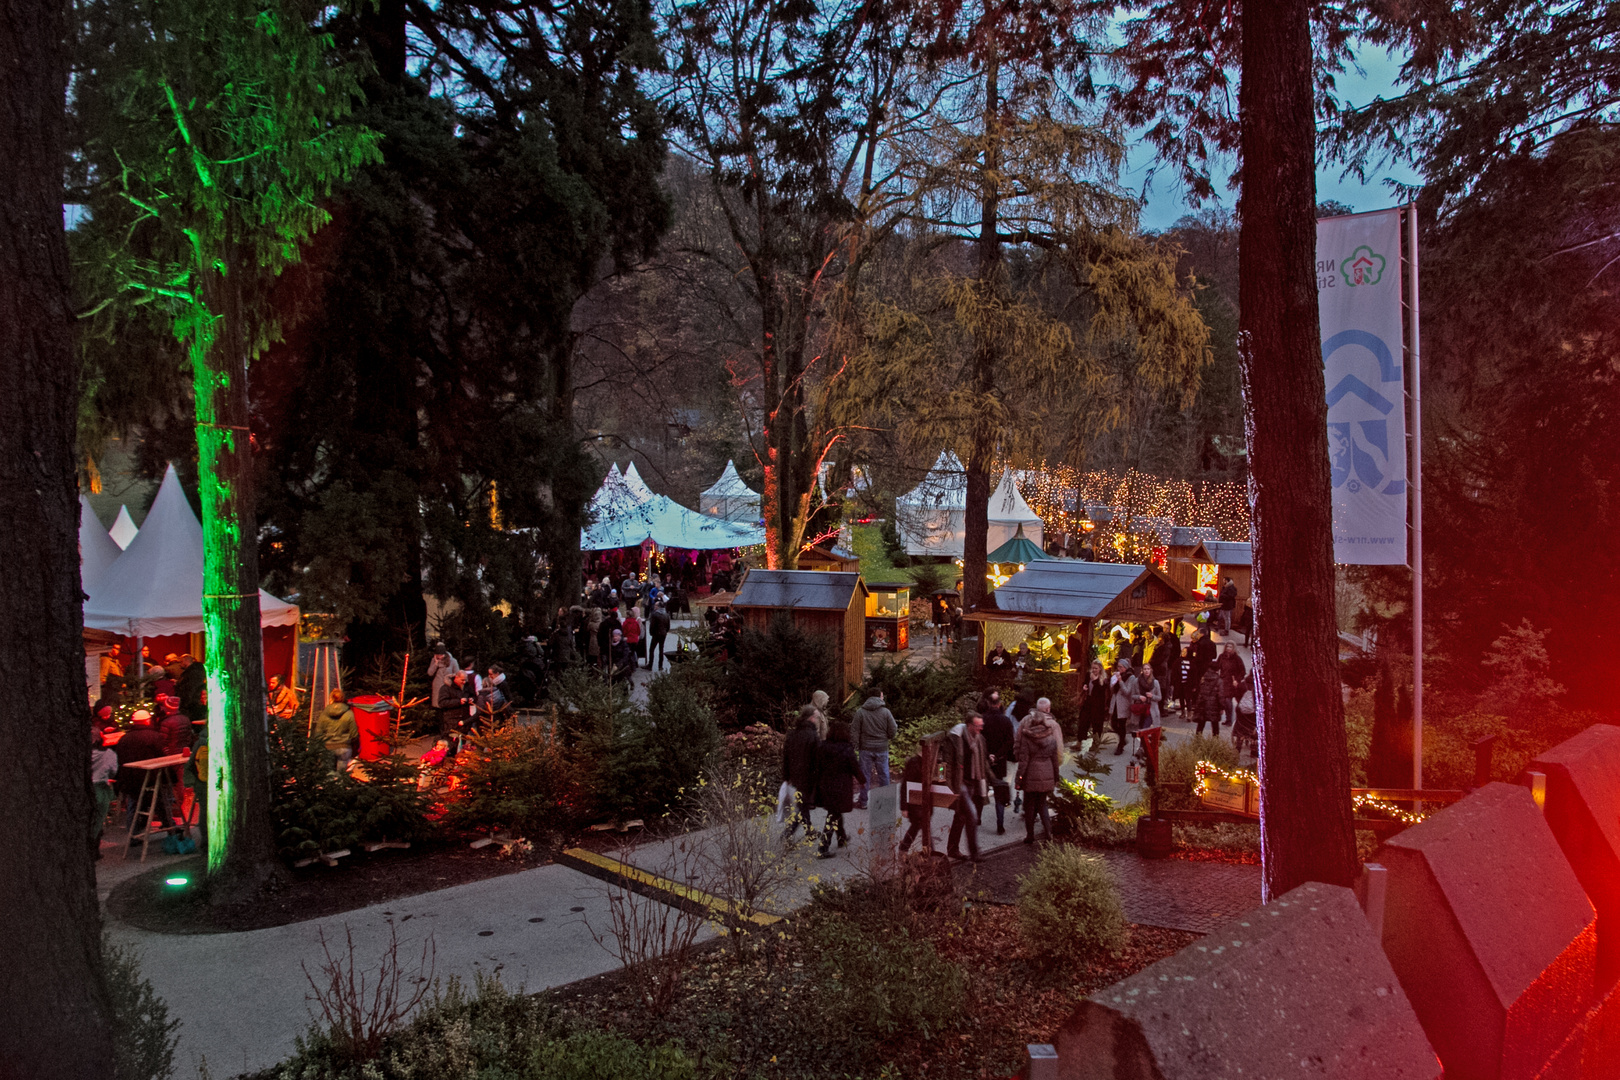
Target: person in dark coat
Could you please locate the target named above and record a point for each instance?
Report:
(192, 685)
(919, 815)
(1233, 672)
(1200, 655)
(453, 701)
(657, 631)
(1228, 605)
(1207, 707)
(967, 771)
(799, 770)
(142, 742)
(998, 743)
(1040, 756)
(837, 772)
(1094, 694)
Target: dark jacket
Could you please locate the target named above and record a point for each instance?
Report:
(1208, 706)
(1202, 653)
(451, 696)
(1094, 700)
(1233, 671)
(190, 686)
(967, 764)
(1040, 752)
(138, 744)
(799, 757)
(1229, 596)
(658, 625)
(176, 732)
(837, 770)
(999, 731)
(874, 726)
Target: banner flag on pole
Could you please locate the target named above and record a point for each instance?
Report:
(1358, 285)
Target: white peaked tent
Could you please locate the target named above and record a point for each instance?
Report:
(636, 485)
(932, 517)
(730, 499)
(1009, 511)
(623, 517)
(123, 529)
(155, 587)
(97, 551)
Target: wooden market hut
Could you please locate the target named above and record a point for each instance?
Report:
(819, 602)
(829, 557)
(1071, 593)
(1184, 540)
(1229, 560)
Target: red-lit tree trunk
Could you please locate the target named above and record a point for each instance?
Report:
(51, 985)
(241, 855)
(1305, 815)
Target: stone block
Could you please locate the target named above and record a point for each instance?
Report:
(1490, 933)
(1298, 987)
(1583, 810)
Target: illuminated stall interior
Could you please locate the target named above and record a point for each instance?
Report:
(888, 616)
(1048, 601)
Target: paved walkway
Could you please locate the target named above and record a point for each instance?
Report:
(242, 997)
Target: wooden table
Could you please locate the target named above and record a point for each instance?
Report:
(150, 799)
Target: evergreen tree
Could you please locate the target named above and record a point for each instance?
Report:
(211, 131)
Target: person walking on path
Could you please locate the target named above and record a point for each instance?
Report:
(1233, 672)
(799, 774)
(874, 730)
(1243, 729)
(1149, 691)
(1207, 706)
(999, 733)
(1040, 755)
(103, 774)
(1167, 665)
(837, 772)
(920, 814)
(1122, 695)
(657, 631)
(818, 702)
(1200, 655)
(1228, 605)
(967, 774)
(1094, 704)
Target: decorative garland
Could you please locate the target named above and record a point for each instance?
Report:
(1207, 769)
(1389, 809)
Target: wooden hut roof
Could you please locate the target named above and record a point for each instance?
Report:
(1065, 590)
(1224, 553)
(813, 590)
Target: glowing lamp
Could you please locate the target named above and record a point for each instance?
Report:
(1086, 524)
(177, 881)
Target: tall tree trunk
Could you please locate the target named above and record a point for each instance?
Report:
(241, 855)
(567, 569)
(51, 984)
(1305, 815)
(981, 455)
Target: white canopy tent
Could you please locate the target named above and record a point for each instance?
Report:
(123, 529)
(155, 587)
(97, 551)
(625, 518)
(730, 499)
(932, 517)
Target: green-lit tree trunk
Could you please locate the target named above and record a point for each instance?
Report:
(1305, 816)
(51, 986)
(240, 852)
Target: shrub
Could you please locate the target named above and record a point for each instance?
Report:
(660, 755)
(930, 689)
(772, 672)
(878, 979)
(1069, 908)
(1178, 768)
(913, 732)
(1077, 802)
(490, 1033)
(312, 808)
(515, 777)
(143, 1036)
(754, 755)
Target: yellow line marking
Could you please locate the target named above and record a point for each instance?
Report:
(676, 888)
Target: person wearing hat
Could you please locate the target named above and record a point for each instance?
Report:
(174, 725)
(142, 742)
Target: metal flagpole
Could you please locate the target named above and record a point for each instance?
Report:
(1417, 507)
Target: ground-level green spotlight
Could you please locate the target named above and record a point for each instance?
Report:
(177, 881)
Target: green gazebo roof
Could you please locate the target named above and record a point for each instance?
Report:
(1020, 549)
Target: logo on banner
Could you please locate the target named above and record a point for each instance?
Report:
(1364, 267)
(1359, 450)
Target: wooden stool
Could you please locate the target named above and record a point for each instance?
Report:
(150, 798)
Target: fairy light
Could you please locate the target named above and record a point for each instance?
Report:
(1388, 809)
(1138, 504)
(1207, 769)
